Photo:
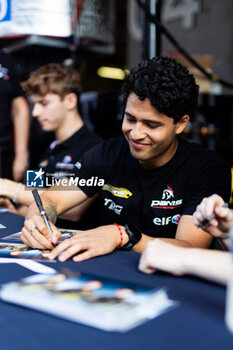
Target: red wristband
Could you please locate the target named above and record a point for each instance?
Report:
(120, 244)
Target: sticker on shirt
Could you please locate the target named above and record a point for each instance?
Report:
(167, 201)
(4, 73)
(175, 219)
(64, 166)
(117, 191)
(78, 165)
(112, 206)
(67, 158)
(44, 163)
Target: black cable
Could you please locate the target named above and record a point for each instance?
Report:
(154, 19)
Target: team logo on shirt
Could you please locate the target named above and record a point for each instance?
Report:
(44, 163)
(4, 73)
(65, 164)
(168, 200)
(113, 206)
(117, 191)
(78, 165)
(175, 219)
(67, 158)
(167, 193)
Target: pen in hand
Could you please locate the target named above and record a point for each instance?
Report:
(41, 209)
(204, 223)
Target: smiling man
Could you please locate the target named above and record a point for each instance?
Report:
(153, 178)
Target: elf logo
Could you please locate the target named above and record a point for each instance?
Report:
(167, 220)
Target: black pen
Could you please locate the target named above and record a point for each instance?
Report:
(41, 209)
(206, 221)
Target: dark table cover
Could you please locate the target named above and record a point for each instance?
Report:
(196, 324)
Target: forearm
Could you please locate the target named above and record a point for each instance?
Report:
(140, 247)
(49, 208)
(21, 126)
(16, 191)
(210, 264)
(76, 213)
(57, 200)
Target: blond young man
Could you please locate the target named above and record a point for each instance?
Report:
(55, 91)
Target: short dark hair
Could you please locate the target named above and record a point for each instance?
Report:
(166, 83)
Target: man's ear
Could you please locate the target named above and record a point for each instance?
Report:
(181, 124)
(71, 100)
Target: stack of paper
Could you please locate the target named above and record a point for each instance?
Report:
(102, 303)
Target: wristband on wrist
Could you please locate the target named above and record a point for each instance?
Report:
(134, 235)
(17, 192)
(121, 234)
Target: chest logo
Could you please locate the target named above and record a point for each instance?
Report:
(168, 193)
(113, 206)
(117, 191)
(44, 163)
(168, 200)
(4, 73)
(67, 158)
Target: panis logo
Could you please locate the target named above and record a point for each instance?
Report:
(167, 201)
(167, 193)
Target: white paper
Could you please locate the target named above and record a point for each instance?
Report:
(29, 264)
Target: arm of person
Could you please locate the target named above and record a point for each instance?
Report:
(20, 114)
(187, 235)
(105, 239)
(56, 200)
(16, 191)
(76, 213)
(223, 220)
(209, 264)
(7, 204)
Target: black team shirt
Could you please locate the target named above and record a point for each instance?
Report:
(61, 158)
(153, 199)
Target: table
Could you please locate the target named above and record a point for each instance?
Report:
(196, 324)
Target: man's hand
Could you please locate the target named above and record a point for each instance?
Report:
(160, 255)
(88, 244)
(223, 220)
(36, 234)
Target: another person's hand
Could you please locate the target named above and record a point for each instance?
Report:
(8, 188)
(7, 204)
(36, 234)
(20, 165)
(160, 255)
(223, 220)
(88, 244)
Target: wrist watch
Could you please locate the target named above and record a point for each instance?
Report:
(134, 235)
